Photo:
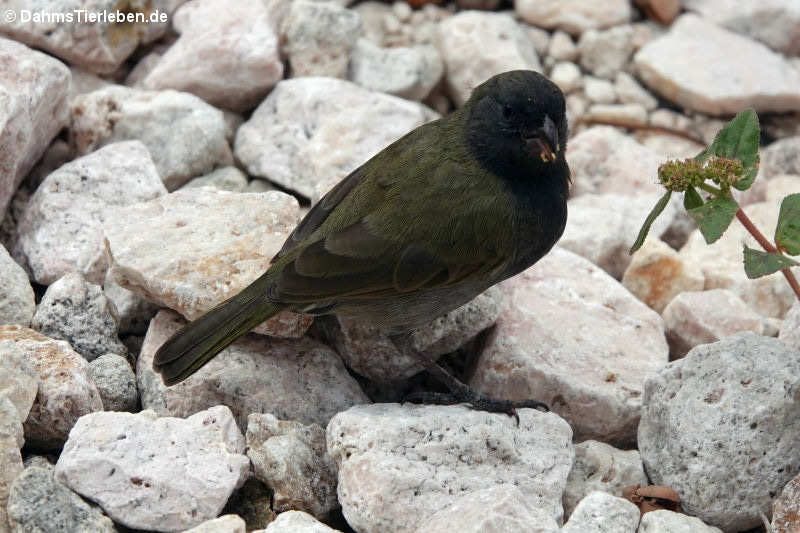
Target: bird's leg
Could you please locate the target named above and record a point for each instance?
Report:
(461, 393)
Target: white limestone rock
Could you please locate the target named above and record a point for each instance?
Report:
(194, 248)
(167, 474)
(574, 16)
(309, 133)
(663, 521)
(17, 302)
(227, 54)
(33, 108)
(184, 135)
(61, 229)
(476, 45)
(606, 52)
(65, 30)
(600, 512)
(693, 318)
(657, 274)
(693, 66)
(499, 509)
(409, 72)
(75, 310)
(318, 38)
(291, 459)
(65, 392)
(399, 465)
(540, 349)
(600, 467)
(720, 427)
(301, 380)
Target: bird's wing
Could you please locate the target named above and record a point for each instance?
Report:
(375, 235)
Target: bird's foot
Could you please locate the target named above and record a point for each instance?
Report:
(476, 401)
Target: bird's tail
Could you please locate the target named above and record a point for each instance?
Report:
(198, 342)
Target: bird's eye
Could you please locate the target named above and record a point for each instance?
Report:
(507, 111)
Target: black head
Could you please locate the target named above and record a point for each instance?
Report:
(517, 125)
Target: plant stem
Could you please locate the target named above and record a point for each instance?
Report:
(768, 247)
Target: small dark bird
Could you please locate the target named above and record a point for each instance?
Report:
(433, 220)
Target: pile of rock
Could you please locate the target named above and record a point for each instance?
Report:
(150, 170)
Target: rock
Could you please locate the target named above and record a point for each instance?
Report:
(604, 160)
(562, 48)
(602, 227)
(600, 467)
(630, 92)
(300, 380)
(239, 51)
(499, 509)
(17, 302)
(676, 66)
(194, 248)
(624, 115)
(702, 317)
(604, 53)
(115, 381)
(296, 522)
(539, 348)
(775, 23)
(65, 390)
(224, 179)
(663, 11)
(309, 133)
(657, 273)
(599, 512)
(786, 508)
(33, 110)
(378, 355)
(781, 186)
(410, 72)
(11, 440)
(663, 521)
(135, 466)
(77, 311)
(780, 157)
(318, 38)
(229, 523)
(291, 458)
(701, 436)
(252, 501)
(56, 155)
(573, 16)
(184, 135)
(599, 91)
(38, 503)
(790, 329)
(398, 465)
(19, 381)
(476, 45)
(567, 76)
(83, 32)
(721, 263)
(133, 311)
(61, 229)
(85, 82)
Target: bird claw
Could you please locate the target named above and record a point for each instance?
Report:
(476, 401)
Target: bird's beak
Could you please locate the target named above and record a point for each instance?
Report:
(543, 142)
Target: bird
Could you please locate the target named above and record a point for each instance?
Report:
(434, 219)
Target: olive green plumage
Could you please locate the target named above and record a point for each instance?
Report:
(437, 217)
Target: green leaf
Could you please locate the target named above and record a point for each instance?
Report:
(657, 209)
(691, 199)
(714, 217)
(758, 263)
(787, 233)
(738, 140)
